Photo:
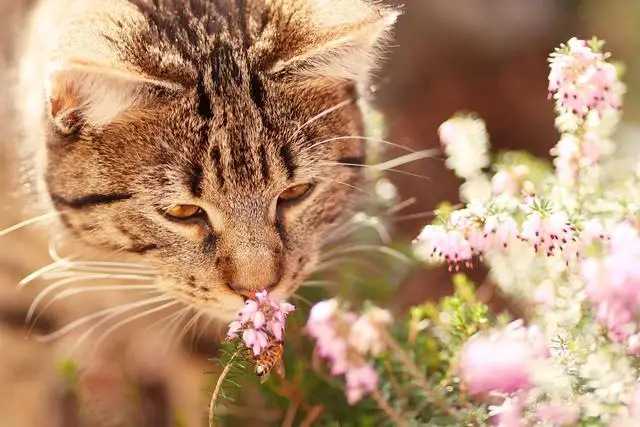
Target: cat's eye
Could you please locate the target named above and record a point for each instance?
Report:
(183, 212)
(295, 193)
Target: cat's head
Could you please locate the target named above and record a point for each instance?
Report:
(212, 138)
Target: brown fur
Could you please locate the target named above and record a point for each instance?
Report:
(145, 104)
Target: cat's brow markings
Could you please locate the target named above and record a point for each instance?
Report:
(264, 163)
(195, 179)
(287, 161)
(90, 200)
(204, 102)
(216, 161)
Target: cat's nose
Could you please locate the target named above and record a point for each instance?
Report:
(249, 294)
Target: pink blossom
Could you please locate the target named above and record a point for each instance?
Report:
(613, 283)
(510, 412)
(558, 415)
(346, 341)
(258, 320)
(501, 361)
(581, 80)
(360, 381)
(467, 234)
(551, 234)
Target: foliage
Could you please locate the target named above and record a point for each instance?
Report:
(562, 238)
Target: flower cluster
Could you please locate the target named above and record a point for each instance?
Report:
(581, 80)
(613, 285)
(260, 321)
(347, 340)
(467, 233)
(501, 362)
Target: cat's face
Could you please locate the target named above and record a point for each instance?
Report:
(224, 170)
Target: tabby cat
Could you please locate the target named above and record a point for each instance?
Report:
(215, 140)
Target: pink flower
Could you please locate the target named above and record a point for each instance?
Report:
(509, 413)
(558, 415)
(501, 361)
(581, 80)
(360, 381)
(258, 321)
(346, 341)
(551, 234)
(466, 235)
(613, 283)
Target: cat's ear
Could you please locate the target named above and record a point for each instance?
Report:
(347, 41)
(95, 95)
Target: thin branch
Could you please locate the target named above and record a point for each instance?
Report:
(312, 415)
(391, 413)
(218, 388)
(417, 375)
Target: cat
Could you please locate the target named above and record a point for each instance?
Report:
(217, 142)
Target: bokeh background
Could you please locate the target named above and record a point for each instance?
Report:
(485, 56)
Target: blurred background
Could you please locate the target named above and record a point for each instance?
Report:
(485, 56)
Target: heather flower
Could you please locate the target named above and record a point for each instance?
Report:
(501, 362)
(459, 137)
(581, 80)
(613, 283)
(346, 341)
(259, 320)
(509, 413)
(558, 415)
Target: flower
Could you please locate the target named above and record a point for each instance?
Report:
(509, 413)
(613, 283)
(463, 135)
(501, 362)
(258, 321)
(558, 415)
(581, 80)
(346, 341)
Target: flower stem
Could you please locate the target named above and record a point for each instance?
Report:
(393, 415)
(417, 375)
(218, 388)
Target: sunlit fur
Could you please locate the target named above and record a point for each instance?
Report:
(221, 104)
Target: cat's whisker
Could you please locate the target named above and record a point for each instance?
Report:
(58, 284)
(172, 328)
(370, 248)
(319, 116)
(362, 138)
(407, 158)
(78, 266)
(188, 326)
(105, 312)
(62, 274)
(98, 266)
(135, 317)
(301, 298)
(346, 184)
(41, 271)
(202, 329)
(27, 223)
(376, 168)
(329, 264)
(319, 283)
(47, 290)
(362, 222)
(75, 291)
(165, 319)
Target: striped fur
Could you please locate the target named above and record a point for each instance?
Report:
(219, 103)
